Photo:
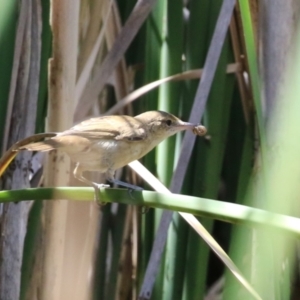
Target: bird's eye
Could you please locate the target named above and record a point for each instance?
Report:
(169, 122)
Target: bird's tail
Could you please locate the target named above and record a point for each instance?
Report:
(6, 160)
(25, 144)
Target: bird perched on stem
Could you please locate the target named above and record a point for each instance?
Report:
(107, 143)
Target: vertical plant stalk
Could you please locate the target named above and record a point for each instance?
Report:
(86, 69)
(276, 42)
(238, 51)
(130, 29)
(14, 77)
(188, 141)
(91, 35)
(62, 78)
(254, 73)
(22, 114)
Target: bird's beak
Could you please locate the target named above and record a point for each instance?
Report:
(186, 125)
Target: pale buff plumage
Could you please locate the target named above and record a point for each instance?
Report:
(107, 143)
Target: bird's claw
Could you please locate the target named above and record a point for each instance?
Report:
(130, 190)
(97, 199)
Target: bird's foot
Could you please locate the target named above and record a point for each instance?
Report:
(97, 187)
(125, 184)
(132, 189)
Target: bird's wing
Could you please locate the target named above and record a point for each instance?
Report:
(109, 127)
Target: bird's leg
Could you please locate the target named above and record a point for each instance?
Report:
(110, 176)
(78, 175)
(131, 187)
(125, 184)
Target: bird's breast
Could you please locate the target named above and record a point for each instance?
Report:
(111, 154)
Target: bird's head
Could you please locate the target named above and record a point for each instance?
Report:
(163, 124)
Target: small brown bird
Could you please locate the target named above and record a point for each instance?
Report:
(107, 143)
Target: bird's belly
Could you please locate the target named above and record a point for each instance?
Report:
(108, 155)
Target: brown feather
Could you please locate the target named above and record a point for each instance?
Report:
(108, 128)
